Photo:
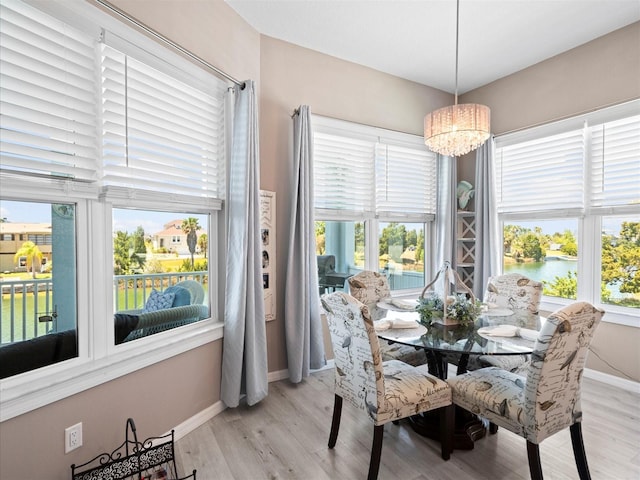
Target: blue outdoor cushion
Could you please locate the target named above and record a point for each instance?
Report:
(182, 296)
(159, 301)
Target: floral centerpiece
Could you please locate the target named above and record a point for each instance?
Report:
(460, 309)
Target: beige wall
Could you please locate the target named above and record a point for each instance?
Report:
(166, 394)
(293, 76)
(603, 72)
(600, 73)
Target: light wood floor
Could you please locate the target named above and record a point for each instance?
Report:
(285, 437)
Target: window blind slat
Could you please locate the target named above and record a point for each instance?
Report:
(615, 172)
(545, 173)
(48, 94)
(166, 134)
(358, 170)
(596, 167)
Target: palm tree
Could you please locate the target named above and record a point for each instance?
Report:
(32, 252)
(190, 227)
(203, 244)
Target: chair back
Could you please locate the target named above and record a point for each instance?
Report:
(359, 375)
(552, 392)
(514, 290)
(369, 287)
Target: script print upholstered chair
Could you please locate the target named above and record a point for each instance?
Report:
(383, 391)
(369, 288)
(547, 399)
(517, 292)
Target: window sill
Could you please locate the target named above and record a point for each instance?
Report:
(31, 390)
(616, 315)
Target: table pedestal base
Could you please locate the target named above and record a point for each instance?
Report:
(468, 428)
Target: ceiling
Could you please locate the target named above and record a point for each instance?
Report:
(415, 39)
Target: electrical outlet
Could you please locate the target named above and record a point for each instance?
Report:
(72, 437)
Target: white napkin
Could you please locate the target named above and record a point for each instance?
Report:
(403, 304)
(528, 334)
(499, 331)
(509, 331)
(394, 323)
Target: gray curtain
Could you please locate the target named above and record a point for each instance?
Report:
(487, 229)
(244, 357)
(302, 322)
(446, 219)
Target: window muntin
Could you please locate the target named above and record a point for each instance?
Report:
(366, 180)
(608, 168)
(39, 307)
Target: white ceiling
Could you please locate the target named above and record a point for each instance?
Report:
(415, 39)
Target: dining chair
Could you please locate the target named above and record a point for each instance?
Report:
(517, 292)
(547, 399)
(384, 391)
(370, 287)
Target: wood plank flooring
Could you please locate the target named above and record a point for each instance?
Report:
(285, 437)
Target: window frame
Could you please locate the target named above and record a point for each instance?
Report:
(369, 215)
(589, 219)
(99, 360)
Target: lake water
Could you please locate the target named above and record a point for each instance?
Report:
(549, 270)
(539, 271)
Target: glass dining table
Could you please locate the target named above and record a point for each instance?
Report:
(498, 331)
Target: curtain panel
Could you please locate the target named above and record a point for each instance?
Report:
(487, 258)
(244, 357)
(303, 326)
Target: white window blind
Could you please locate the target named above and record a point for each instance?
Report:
(581, 165)
(362, 171)
(48, 95)
(159, 133)
(615, 163)
(343, 173)
(544, 174)
(405, 181)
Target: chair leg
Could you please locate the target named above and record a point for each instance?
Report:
(376, 452)
(535, 468)
(493, 428)
(335, 422)
(447, 426)
(578, 451)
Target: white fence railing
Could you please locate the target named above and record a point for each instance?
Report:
(27, 305)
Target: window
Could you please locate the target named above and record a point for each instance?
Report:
(375, 193)
(569, 200)
(141, 266)
(39, 315)
(117, 138)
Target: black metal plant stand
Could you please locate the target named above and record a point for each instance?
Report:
(153, 459)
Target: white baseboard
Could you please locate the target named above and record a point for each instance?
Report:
(612, 380)
(200, 418)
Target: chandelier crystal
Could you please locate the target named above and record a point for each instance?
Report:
(459, 128)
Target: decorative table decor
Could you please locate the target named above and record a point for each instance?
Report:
(464, 192)
(448, 303)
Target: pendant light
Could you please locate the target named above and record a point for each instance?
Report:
(457, 129)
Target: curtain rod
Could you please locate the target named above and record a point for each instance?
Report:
(164, 39)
